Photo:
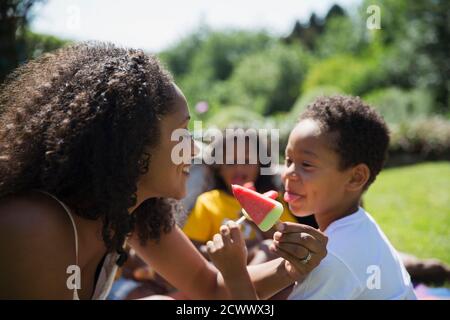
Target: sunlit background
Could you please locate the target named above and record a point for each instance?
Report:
(259, 63)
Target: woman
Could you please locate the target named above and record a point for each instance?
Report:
(85, 167)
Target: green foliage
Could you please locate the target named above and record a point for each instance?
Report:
(234, 116)
(204, 61)
(309, 96)
(342, 35)
(37, 44)
(426, 137)
(351, 74)
(222, 51)
(267, 74)
(179, 57)
(268, 81)
(417, 33)
(398, 105)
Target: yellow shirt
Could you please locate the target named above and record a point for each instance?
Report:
(212, 209)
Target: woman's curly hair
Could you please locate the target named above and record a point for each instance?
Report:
(80, 123)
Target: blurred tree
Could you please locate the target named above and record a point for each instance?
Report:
(221, 52)
(417, 36)
(335, 11)
(37, 44)
(352, 74)
(269, 81)
(342, 35)
(179, 57)
(309, 96)
(204, 61)
(308, 33)
(14, 17)
(398, 105)
(233, 116)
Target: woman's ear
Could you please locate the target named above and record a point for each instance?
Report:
(359, 175)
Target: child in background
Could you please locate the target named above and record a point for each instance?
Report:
(217, 206)
(333, 155)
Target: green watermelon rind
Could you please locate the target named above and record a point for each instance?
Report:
(267, 205)
(271, 218)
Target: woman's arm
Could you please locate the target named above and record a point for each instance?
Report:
(177, 260)
(228, 252)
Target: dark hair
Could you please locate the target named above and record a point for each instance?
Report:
(81, 123)
(263, 183)
(362, 134)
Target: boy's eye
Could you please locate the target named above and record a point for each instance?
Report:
(288, 162)
(306, 165)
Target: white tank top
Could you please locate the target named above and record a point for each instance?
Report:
(109, 267)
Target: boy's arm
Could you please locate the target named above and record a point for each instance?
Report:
(293, 242)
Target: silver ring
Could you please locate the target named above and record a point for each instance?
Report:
(306, 259)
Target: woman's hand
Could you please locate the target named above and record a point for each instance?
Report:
(303, 247)
(228, 251)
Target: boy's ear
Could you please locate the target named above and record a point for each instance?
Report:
(359, 175)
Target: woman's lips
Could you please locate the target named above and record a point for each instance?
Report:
(291, 197)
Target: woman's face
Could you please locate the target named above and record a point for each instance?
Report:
(164, 177)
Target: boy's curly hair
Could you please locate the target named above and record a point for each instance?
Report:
(81, 123)
(362, 134)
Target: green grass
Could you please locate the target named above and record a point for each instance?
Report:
(412, 206)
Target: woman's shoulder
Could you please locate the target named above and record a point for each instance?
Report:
(36, 237)
(33, 213)
(33, 223)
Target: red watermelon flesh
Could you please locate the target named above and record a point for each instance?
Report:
(255, 204)
(250, 185)
(271, 194)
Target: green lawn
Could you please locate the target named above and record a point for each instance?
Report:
(412, 206)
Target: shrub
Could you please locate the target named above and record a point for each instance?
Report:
(397, 105)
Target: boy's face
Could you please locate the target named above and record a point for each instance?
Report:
(312, 178)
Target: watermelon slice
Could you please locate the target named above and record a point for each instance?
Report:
(271, 194)
(259, 208)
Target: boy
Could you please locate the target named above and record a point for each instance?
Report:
(333, 155)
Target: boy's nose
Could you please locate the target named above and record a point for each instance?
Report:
(289, 173)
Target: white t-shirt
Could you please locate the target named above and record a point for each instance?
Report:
(361, 264)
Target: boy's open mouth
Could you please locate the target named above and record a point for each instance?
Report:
(291, 197)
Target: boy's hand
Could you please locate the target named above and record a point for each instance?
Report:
(294, 242)
(228, 251)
